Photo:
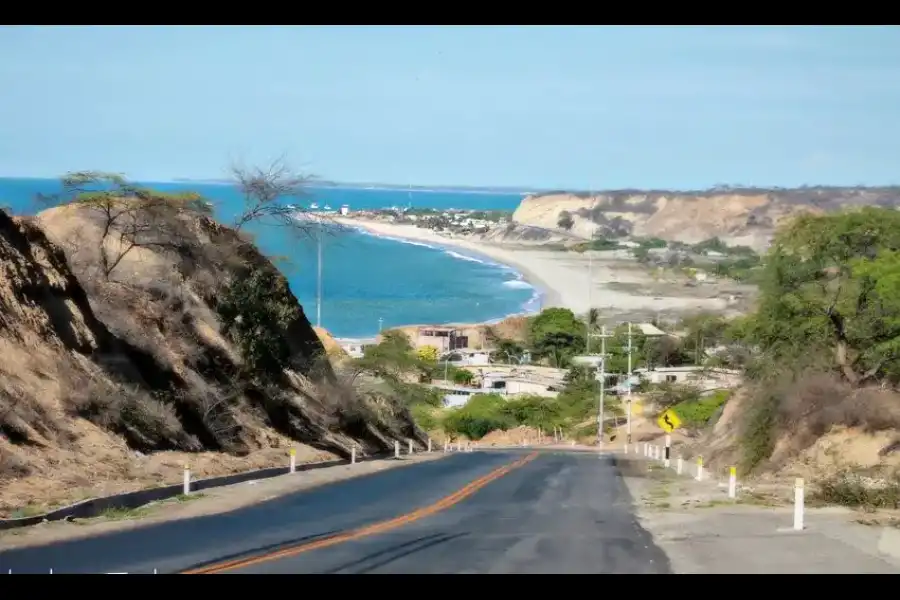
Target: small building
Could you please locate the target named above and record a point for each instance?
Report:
(472, 358)
(501, 383)
(444, 339)
(345, 210)
(355, 347)
(703, 377)
(456, 395)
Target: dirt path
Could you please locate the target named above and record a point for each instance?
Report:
(208, 502)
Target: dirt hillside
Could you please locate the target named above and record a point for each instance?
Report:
(737, 216)
(109, 384)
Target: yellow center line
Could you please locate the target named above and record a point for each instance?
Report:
(367, 530)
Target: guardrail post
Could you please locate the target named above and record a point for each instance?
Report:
(798, 504)
(410, 446)
(699, 468)
(187, 479)
(429, 445)
(679, 465)
(396, 449)
(732, 482)
(293, 460)
(353, 455)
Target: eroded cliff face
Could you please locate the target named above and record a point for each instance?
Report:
(738, 216)
(111, 383)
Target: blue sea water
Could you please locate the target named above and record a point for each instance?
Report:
(367, 278)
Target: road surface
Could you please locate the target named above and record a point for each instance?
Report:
(480, 512)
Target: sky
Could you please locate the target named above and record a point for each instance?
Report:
(559, 107)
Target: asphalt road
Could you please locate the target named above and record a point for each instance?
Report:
(479, 512)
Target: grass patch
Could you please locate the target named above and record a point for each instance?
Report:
(28, 511)
(123, 514)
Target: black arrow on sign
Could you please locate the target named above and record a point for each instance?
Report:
(668, 422)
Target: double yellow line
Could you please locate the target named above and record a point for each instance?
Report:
(368, 530)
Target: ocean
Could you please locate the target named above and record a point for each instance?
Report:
(367, 278)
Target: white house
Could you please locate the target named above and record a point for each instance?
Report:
(702, 377)
(355, 347)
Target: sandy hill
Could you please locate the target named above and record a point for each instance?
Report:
(739, 216)
(109, 383)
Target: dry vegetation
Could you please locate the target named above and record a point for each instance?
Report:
(138, 333)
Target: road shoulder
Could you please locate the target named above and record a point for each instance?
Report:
(702, 531)
(209, 502)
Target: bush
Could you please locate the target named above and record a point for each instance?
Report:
(256, 311)
(697, 413)
(462, 377)
(850, 489)
(482, 414)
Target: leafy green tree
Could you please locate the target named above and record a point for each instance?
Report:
(557, 335)
(830, 295)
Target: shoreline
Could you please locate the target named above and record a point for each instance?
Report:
(618, 288)
(547, 295)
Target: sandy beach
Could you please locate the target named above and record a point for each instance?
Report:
(620, 286)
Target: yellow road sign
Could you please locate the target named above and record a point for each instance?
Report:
(668, 421)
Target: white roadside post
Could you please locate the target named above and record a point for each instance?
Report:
(699, 468)
(429, 445)
(293, 460)
(410, 447)
(732, 482)
(668, 449)
(445, 447)
(396, 449)
(679, 465)
(353, 455)
(798, 504)
(187, 480)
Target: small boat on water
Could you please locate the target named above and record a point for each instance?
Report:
(327, 207)
(314, 206)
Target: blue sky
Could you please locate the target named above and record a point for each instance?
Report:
(560, 107)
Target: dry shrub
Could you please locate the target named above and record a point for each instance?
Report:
(797, 411)
(852, 489)
(11, 466)
(23, 419)
(146, 422)
(817, 402)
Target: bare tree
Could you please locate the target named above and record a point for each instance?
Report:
(267, 193)
(131, 216)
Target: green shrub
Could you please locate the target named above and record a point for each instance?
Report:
(697, 413)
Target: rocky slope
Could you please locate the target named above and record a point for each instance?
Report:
(737, 216)
(110, 384)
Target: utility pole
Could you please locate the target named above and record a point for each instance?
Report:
(628, 401)
(601, 409)
(319, 278)
(602, 383)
